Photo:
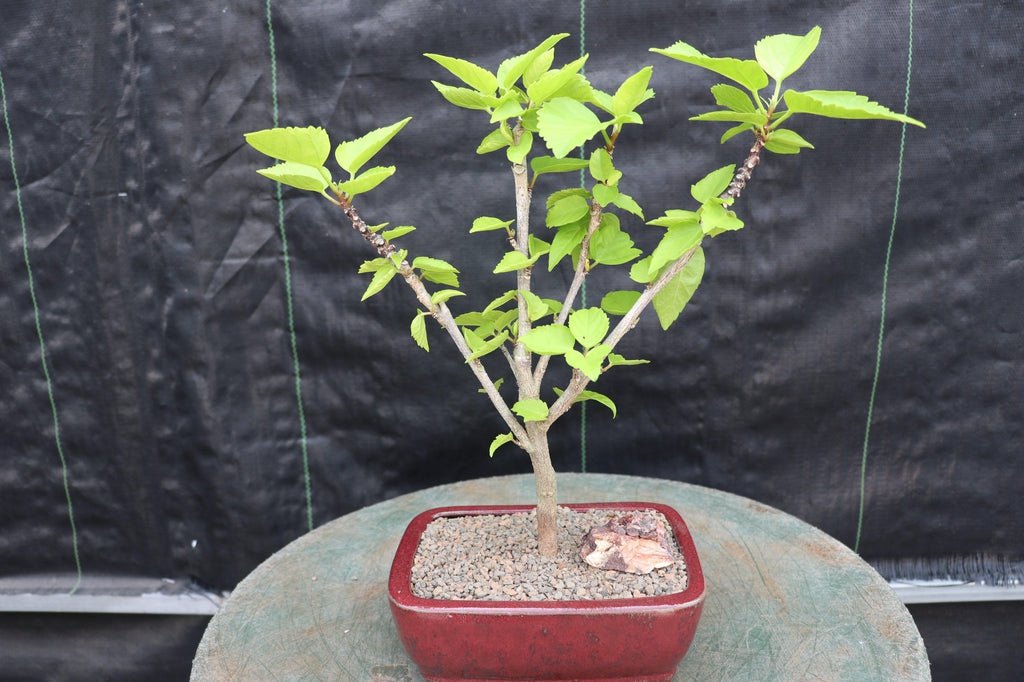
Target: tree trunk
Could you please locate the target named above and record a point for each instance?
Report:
(547, 490)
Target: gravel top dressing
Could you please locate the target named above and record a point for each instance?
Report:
(495, 558)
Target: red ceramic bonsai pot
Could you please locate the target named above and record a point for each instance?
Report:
(608, 639)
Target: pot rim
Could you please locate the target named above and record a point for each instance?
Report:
(400, 588)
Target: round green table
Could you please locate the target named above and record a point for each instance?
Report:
(784, 600)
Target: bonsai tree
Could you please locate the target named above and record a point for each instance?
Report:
(544, 120)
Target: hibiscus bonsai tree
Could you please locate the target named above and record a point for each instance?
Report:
(550, 120)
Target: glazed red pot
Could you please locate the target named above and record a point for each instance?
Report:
(608, 639)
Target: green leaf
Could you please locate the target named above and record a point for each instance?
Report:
(374, 265)
(297, 175)
(671, 300)
(354, 154)
(380, 280)
(474, 76)
(781, 55)
(537, 246)
(366, 181)
(547, 85)
(538, 67)
(619, 302)
(627, 203)
(494, 141)
(756, 118)
(531, 409)
(466, 98)
(610, 245)
(589, 364)
(517, 153)
(397, 232)
(568, 238)
(536, 308)
(566, 210)
(309, 146)
(565, 124)
(427, 264)
(497, 384)
(783, 141)
(733, 98)
(482, 347)
(633, 92)
(614, 360)
(715, 219)
(712, 184)
(548, 339)
(501, 300)
(841, 104)
(418, 329)
(449, 279)
(676, 242)
(601, 166)
(555, 197)
(604, 195)
(598, 398)
(549, 164)
(734, 131)
(487, 223)
(578, 88)
(499, 441)
(589, 326)
(511, 69)
(473, 319)
(746, 72)
(509, 107)
(675, 217)
(641, 271)
(444, 294)
(514, 260)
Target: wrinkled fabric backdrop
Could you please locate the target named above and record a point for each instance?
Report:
(160, 277)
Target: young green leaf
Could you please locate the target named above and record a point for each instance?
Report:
(641, 271)
(756, 118)
(444, 294)
(565, 124)
(466, 98)
(397, 232)
(352, 155)
(619, 302)
(380, 280)
(676, 242)
(548, 339)
(474, 319)
(486, 347)
(366, 181)
(309, 146)
(418, 329)
(589, 364)
(500, 301)
(593, 395)
(601, 166)
(610, 245)
(627, 203)
(566, 210)
(589, 326)
(507, 108)
(733, 98)
(604, 195)
(841, 104)
(531, 409)
(494, 141)
(297, 175)
(499, 441)
(568, 238)
(712, 184)
(427, 264)
(781, 55)
(555, 197)
(487, 223)
(716, 219)
(578, 88)
(549, 164)
(551, 82)
(511, 69)
(746, 72)
(374, 265)
(536, 308)
(476, 77)
(675, 217)
(614, 360)
(784, 141)
(633, 92)
(671, 300)
(497, 384)
(734, 131)
(538, 67)
(517, 153)
(538, 247)
(514, 260)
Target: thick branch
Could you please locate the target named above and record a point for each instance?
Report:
(444, 317)
(579, 380)
(574, 287)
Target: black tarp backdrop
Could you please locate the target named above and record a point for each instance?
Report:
(159, 273)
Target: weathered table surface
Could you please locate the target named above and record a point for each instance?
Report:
(784, 600)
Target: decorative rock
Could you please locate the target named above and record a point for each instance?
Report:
(632, 543)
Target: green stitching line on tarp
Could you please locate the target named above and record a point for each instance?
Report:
(293, 339)
(583, 286)
(885, 284)
(42, 341)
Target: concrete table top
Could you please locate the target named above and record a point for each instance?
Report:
(784, 600)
